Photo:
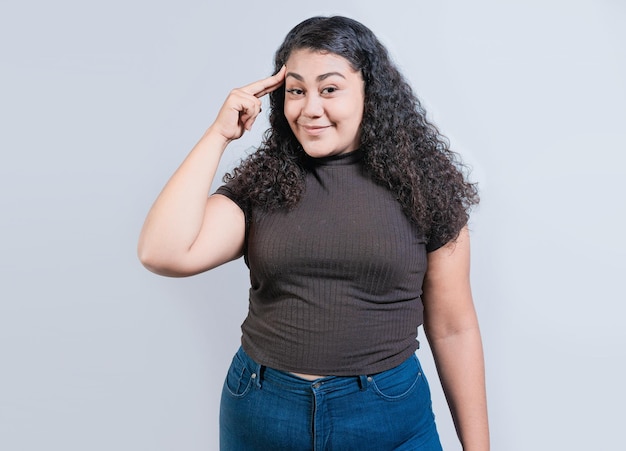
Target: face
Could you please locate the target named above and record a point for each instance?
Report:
(324, 100)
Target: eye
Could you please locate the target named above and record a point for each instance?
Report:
(329, 90)
(295, 91)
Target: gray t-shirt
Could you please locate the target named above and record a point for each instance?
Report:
(336, 281)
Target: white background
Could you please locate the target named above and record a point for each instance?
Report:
(100, 102)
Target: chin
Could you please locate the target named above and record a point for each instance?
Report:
(318, 153)
(322, 151)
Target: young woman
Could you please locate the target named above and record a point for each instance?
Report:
(351, 216)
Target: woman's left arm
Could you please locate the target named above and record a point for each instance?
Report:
(452, 330)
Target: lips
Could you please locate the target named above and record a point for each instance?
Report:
(314, 129)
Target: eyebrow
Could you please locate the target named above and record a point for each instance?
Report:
(318, 78)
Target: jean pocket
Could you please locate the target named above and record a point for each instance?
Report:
(239, 378)
(399, 382)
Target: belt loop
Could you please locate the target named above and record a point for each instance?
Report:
(363, 382)
(258, 374)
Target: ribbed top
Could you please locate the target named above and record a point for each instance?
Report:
(335, 282)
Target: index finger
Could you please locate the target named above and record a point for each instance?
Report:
(267, 85)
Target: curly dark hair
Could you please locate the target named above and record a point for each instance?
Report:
(403, 150)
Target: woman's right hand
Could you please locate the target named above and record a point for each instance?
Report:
(243, 105)
(185, 233)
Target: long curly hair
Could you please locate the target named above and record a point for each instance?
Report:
(403, 150)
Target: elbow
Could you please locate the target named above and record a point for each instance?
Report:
(149, 260)
(169, 264)
(154, 261)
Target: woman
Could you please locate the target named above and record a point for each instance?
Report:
(352, 219)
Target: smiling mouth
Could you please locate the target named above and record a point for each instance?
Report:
(314, 129)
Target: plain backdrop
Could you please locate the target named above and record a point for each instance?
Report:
(101, 100)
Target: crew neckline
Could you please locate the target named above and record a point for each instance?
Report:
(342, 159)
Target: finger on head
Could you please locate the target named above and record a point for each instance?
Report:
(269, 84)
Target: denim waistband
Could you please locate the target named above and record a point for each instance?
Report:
(290, 381)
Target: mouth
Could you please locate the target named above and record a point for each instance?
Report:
(314, 130)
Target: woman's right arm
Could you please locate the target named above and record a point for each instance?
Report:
(185, 232)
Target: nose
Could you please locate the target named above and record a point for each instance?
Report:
(313, 106)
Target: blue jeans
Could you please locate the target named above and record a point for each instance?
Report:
(266, 409)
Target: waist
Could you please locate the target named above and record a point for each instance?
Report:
(299, 385)
(313, 360)
(308, 377)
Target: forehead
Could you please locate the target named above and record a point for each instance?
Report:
(306, 62)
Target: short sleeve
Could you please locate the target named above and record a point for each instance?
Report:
(436, 242)
(227, 190)
(433, 245)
